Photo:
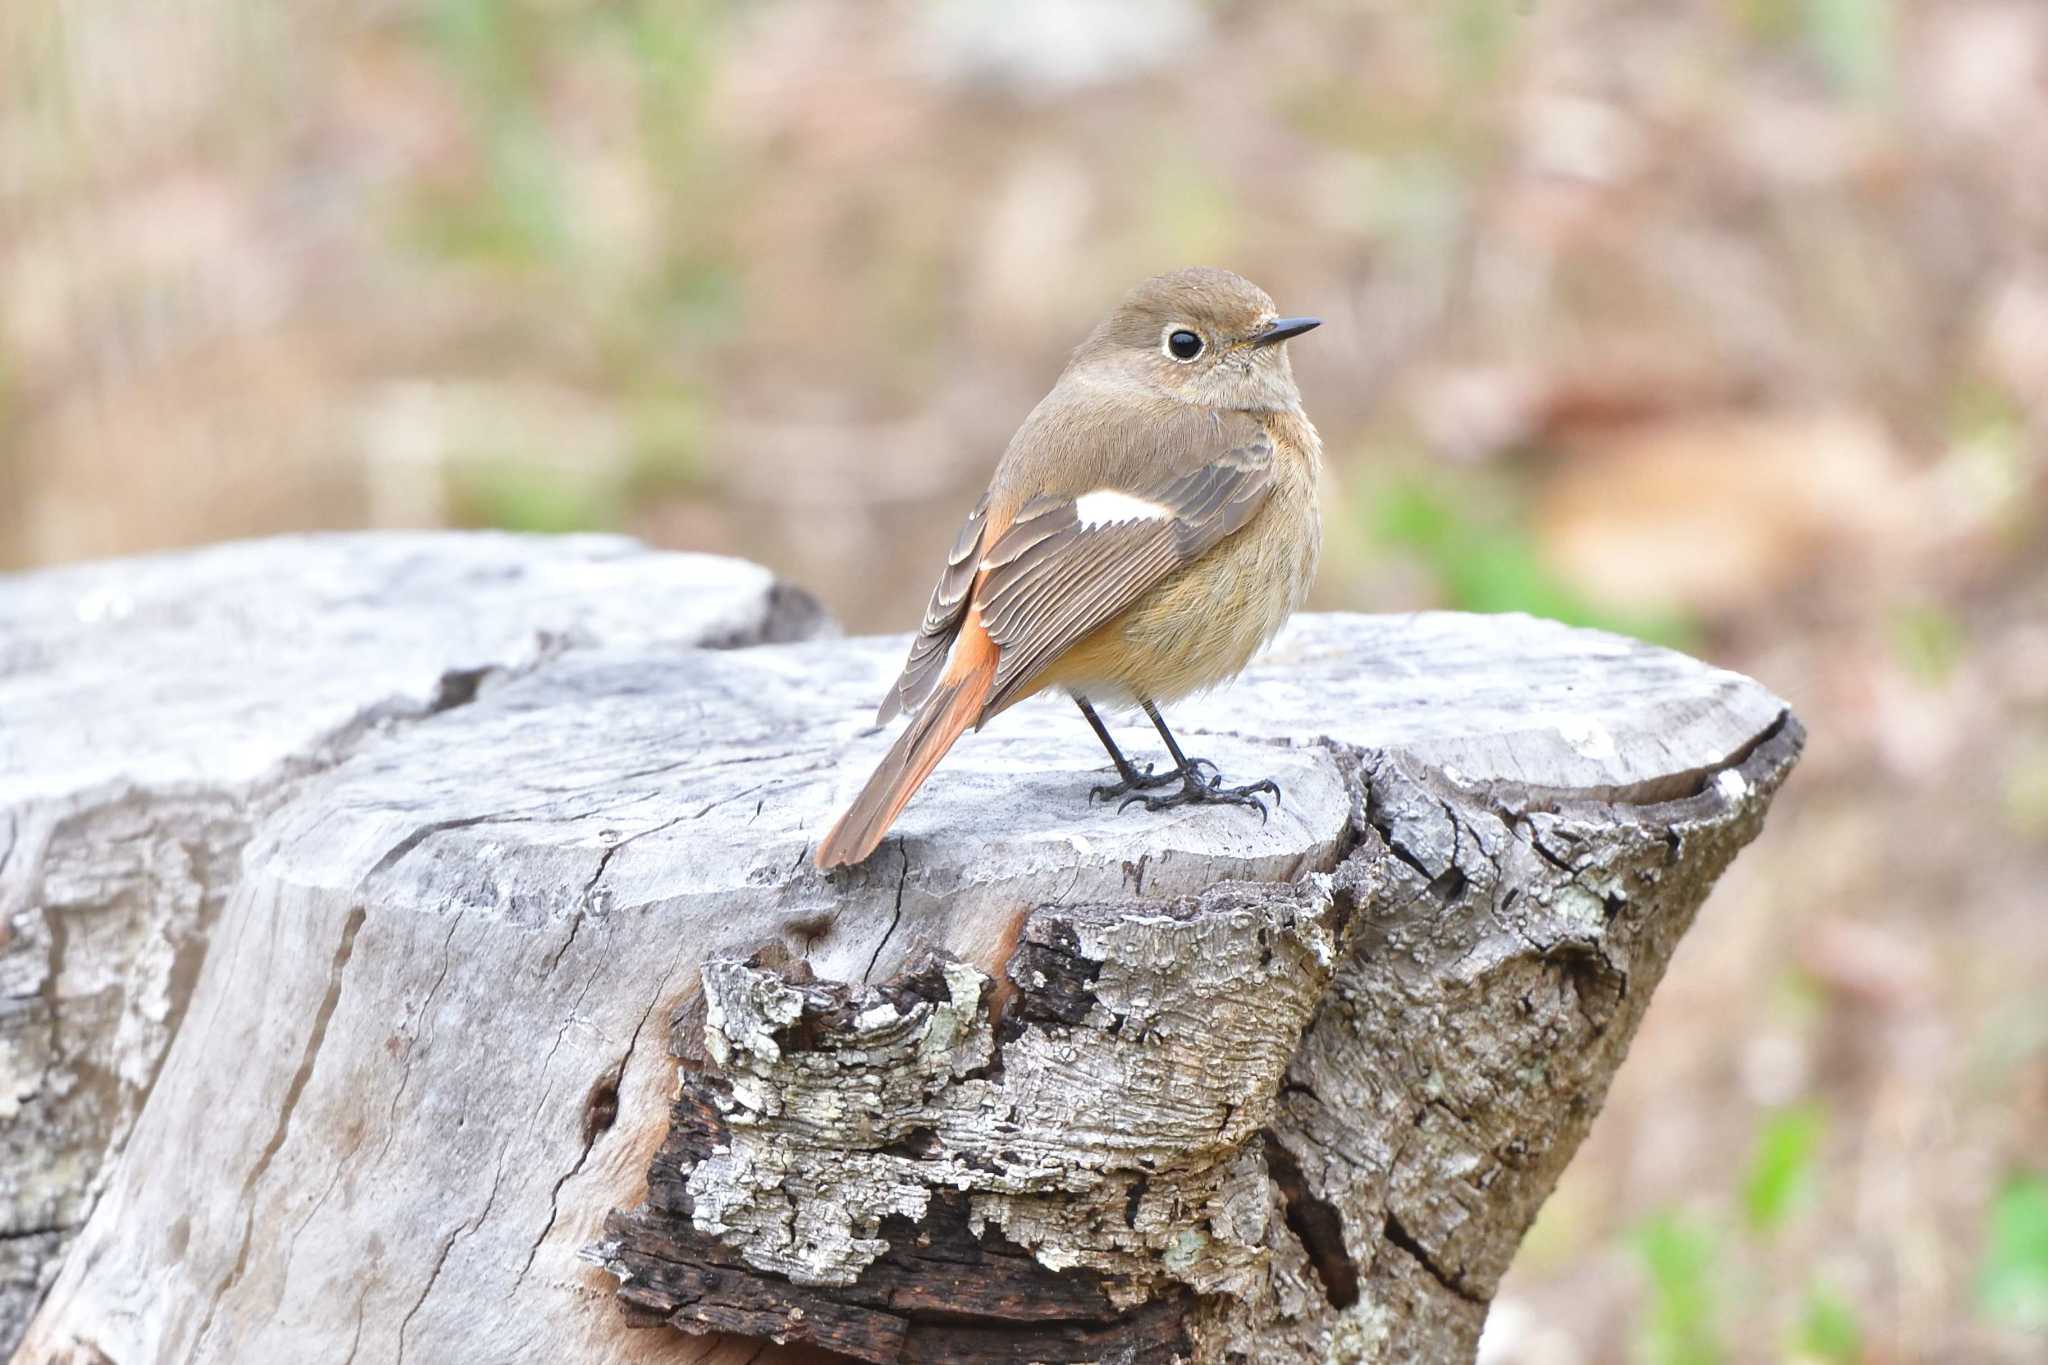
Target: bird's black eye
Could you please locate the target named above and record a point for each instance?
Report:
(1184, 345)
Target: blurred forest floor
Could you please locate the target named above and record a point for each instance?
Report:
(1723, 322)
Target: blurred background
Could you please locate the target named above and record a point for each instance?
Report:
(1719, 322)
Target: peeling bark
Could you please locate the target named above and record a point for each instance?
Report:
(523, 1029)
(1109, 1138)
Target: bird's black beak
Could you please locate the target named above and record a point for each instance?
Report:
(1284, 328)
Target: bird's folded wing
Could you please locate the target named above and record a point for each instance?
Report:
(1066, 565)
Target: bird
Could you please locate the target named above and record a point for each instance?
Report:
(1151, 525)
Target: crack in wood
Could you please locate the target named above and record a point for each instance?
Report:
(355, 1340)
(328, 1003)
(441, 1260)
(457, 687)
(902, 880)
(941, 1293)
(398, 851)
(41, 1230)
(420, 1033)
(58, 929)
(1397, 1235)
(592, 1134)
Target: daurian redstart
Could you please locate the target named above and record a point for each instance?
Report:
(1151, 525)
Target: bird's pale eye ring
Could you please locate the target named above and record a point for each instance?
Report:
(1182, 344)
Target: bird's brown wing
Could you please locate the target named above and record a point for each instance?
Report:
(1051, 578)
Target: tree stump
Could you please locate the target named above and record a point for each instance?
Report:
(524, 1030)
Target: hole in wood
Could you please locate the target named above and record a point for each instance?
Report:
(601, 1110)
(1316, 1223)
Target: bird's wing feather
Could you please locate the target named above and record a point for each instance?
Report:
(941, 618)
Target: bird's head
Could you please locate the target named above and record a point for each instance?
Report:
(1202, 336)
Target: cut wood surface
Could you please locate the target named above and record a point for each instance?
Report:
(526, 1031)
(151, 709)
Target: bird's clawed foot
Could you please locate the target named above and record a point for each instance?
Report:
(1145, 780)
(1197, 790)
(1199, 782)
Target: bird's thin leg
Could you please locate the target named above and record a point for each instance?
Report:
(1195, 788)
(1132, 778)
(1192, 766)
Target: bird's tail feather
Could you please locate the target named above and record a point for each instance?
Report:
(954, 705)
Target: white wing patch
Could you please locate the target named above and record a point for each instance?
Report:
(1107, 507)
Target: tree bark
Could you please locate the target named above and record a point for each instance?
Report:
(525, 1030)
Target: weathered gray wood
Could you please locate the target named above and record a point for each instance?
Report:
(1298, 1084)
(151, 709)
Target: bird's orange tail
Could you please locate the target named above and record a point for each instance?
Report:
(954, 705)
